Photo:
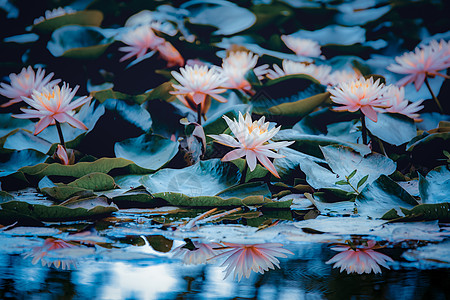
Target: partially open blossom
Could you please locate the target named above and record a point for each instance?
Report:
(53, 104)
(168, 52)
(23, 84)
(321, 73)
(66, 157)
(252, 140)
(441, 46)
(302, 47)
(362, 94)
(394, 100)
(51, 244)
(197, 82)
(139, 41)
(199, 255)
(241, 259)
(57, 12)
(359, 259)
(424, 61)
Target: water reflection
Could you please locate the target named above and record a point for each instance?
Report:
(360, 259)
(52, 246)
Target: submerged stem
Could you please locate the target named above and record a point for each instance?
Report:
(433, 95)
(61, 137)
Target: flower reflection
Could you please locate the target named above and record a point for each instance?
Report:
(57, 12)
(359, 259)
(195, 253)
(241, 259)
(50, 244)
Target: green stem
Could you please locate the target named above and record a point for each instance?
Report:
(61, 137)
(244, 174)
(433, 95)
(364, 129)
(348, 181)
(199, 114)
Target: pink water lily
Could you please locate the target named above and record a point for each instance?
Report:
(139, 41)
(362, 94)
(394, 99)
(195, 83)
(302, 47)
(424, 61)
(170, 54)
(23, 84)
(53, 104)
(242, 259)
(359, 259)
(252, 140)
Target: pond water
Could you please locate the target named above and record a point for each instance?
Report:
(133, 255)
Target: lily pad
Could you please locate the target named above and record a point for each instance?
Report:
(422, 212)
(301, 107)
(98, 207)
(19, 159)
(405, 129)
(75, 41)
(381, 196)
(228, 17)
(435, 187)
(147, 151)
(335, 35)
(85, 17)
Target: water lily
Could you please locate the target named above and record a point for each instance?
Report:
(241, 259)
(362, 94)
(343, 76)
(139, 41)
(321, 73)
(65, 156)
(23, 84)
(394, 99)
(236, 65)
(170, 54)
(57, 12)
(200, 254)
(425, 61)
(252, 140)
(302, 47)
(195, 84)
(51, 244)
(359, 259)
(53, 105)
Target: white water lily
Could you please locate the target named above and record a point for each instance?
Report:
(321, 73)
(252, 140)
(57, 12)
(394, 98)
(302, 47)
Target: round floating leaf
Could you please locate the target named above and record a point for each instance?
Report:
(76, 41)
(85, 17)
(310, 143)
(147, 151)
(59, 213)
(288, 164)
(435, 187)
(19, 159)
(22, 140)
(335, 34)
(301, 107)
(62, 193)
(138, 197)
(405, 129)
(206, 178)
(102, 165)
(422, 212)
(228, 17)
(381, 196)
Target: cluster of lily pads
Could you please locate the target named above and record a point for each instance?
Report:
(216, 105)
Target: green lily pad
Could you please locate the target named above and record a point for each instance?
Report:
(287, 165)
(85, 17)
(97, 208)
(75, 41)
(104, 95)
(19, 159)
(137, 197)
(435, 187)
(102, 165)
(258, 172)
(381, 196)
(422, 212)
(405, 129)
(310, 143)
(206, 178)
(301, 107)
(147, 151)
